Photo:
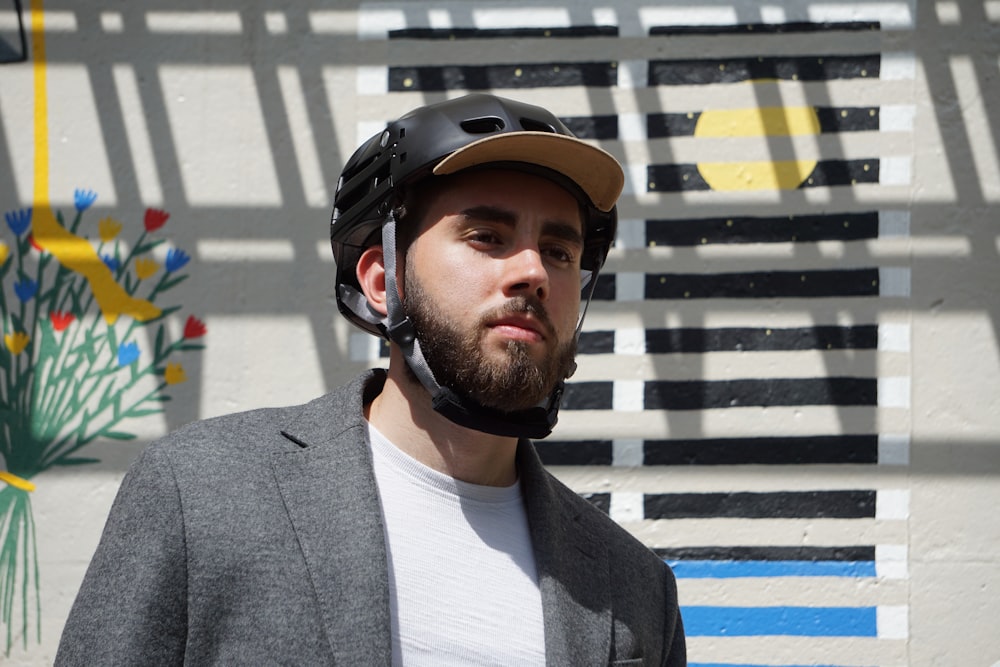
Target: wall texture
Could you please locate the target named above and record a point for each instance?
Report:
(788, 381)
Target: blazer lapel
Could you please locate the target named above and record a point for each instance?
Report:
(572, 570)
(329, 492)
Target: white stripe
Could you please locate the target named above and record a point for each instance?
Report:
(893, 622)
(372, 80)
(605, 16)
(626, 506)
(633, 73)
(368, 129)
(110, 22)
(439, 19)
(628, 395)
(894, 281)
(630, 286)
(891, 561)
(505, 17)
(244, 250)
(896, 117)
(898, 66)
(635, 179)
(632, 126)
(894, 392)
(630, 341)
(627, 453)
(893, 223)
(893, 449)
(893, 337)
(631, 234)
(895, 170)
(372, 23)
(137, 133)
(276, 23)
(892, 504)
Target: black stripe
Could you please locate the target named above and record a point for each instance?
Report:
(763, 284)
(819, 449)
(596, 342)
(710, 394)
(669, 341)
(774, 505)
(831, 119)
(679, 177)
(486, 77)
(588, 396)
(806, 228)
(765, 28)
(601, 501)
(748, 68)
(492, 33)
(852, 554)
(575, 453)
(593, 127)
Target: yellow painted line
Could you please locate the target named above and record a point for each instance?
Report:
(72, 251)
(15, 481)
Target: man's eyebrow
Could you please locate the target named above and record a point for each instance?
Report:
(561, 229)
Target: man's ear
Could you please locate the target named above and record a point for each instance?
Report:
(371, 276)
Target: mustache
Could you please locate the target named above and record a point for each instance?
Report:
(522, 304)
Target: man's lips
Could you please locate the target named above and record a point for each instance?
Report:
(519, 327)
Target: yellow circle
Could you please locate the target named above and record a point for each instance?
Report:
(759, 122)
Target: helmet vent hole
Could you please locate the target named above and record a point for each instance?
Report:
(402, 158)
(482, 125)
(533, 125)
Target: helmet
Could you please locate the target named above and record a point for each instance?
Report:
(445, 138)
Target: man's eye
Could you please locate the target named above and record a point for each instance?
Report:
(559, 254)
(484, 237)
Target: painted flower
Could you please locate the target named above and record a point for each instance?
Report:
(176, 259)
(108, 229)
(35, 244)
(25, 289)
(127, 353)
(174, 374)
(18, 221)
(60, 320)
(17, 341)
(146, 267)
(194, 328)
(111, 262)
(4, 252)
(82, 199)
(154, 219)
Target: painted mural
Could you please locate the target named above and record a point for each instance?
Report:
(721, 336)
(72, 369)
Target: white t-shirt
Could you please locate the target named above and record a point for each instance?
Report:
(463, 588)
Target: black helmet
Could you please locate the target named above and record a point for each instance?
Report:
(445, 138)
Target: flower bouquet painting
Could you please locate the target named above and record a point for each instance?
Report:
(86, 348)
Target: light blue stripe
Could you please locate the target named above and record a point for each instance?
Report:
(728, 569)
(789, 621)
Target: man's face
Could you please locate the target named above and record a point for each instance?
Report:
(492, 284)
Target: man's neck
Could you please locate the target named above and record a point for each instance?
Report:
(403, 413)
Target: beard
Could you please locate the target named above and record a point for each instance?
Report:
(459, 361)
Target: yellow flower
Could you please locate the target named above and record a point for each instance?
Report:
(17, 341)
(108, 228)
(4, 252)
(145, 267)
(174, 374)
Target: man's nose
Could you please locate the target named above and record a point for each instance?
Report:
(525, 272)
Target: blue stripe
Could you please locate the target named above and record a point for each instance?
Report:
(728, 569)
(789, 621)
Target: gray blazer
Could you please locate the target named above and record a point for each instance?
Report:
(257, 539)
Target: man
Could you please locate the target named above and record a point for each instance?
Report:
(404, 518)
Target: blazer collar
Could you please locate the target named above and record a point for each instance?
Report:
(329, 490)
(572, 565)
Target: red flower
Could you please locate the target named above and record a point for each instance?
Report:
(34, 243)
(60, 320)
(154, 219)
(194, 328)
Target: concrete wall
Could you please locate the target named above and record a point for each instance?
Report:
(788, 382)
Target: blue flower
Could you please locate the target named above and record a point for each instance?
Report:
(83, 199)
(127, 353)
(25, 289)
(176, 259)
(18, 221)
(111, 262)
